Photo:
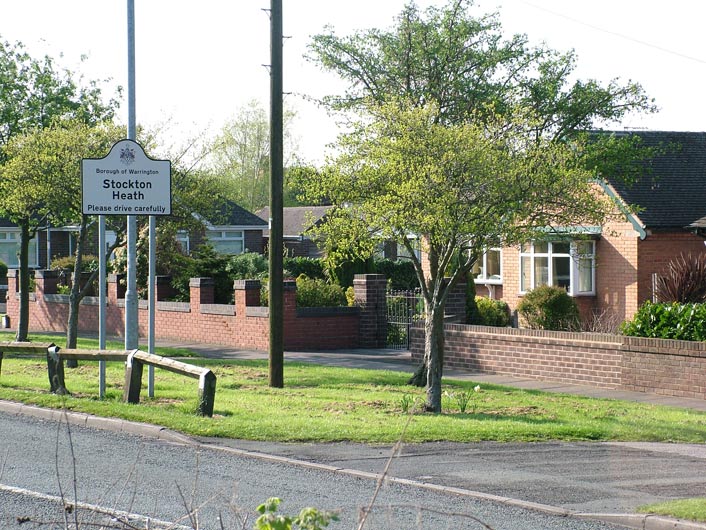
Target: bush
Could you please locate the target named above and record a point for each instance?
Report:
(492, 312)
(247, 266)
(204, 263)
(89, 263)
(310, 267)
(315, 292)
(684, 280)
(3, 272)
(549, 308)
(400, 274)
(668, 321)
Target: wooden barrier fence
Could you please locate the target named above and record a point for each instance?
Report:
(134, 363)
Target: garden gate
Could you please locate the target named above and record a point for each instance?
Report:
(403, 309)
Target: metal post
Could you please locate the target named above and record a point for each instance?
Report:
(276, 352)
(131, 302)
(152, 295)
(101, 302)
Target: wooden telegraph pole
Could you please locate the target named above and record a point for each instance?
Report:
(276, 250)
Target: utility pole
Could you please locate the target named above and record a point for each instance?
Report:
(276, 250)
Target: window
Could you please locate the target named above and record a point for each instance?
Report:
(227, 241)
(488, 268)
(10, 249)
(567, 264)
(182, 237)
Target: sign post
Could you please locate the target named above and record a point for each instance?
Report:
(126, 182)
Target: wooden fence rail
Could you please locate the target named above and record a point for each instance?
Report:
(134, 363)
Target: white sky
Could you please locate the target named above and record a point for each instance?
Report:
(198, 62)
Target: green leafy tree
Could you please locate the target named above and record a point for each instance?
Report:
(465, 65)
(494, 150)
(34, 93)
(460, 187)
(240, 154)
(41, 183)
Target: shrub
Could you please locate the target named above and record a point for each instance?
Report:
(204, 263)
(3, 271)
(668, 321)
(310, 267)
(400, 274)
(684, 280)
(247, 266)
(89, 263)
(492, 312)
(472, 313)
(549, 308)
(315, 292)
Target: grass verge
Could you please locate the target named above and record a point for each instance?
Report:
(327, 404)
(690, 509)
(87, 343)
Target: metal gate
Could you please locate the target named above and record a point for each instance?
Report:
(403, 309)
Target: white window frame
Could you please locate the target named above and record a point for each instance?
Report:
(14, 235)
(216, 235)
(576, 261)
(182, 237)
(482, 278)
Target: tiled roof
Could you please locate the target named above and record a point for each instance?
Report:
(298, 219)
(672, 191)
(230, 214)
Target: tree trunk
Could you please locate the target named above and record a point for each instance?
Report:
(23, 322)
(434, 357)
(75, 296)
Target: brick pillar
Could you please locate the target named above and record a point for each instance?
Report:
(456, 301)
(201, 291)
(246, 293)
(370, 294)
(46, 281)
(12, 307)
(163, 287)
(116, 288)
(290, 297)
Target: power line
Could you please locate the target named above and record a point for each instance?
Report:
(615, 33)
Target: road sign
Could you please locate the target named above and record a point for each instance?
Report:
(126, 182)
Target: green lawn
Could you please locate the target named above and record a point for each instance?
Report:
(327, 404)
(60, 340)
(691, 509)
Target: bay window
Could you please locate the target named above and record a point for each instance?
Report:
(566, 264)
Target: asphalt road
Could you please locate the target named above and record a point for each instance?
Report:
(159, 479)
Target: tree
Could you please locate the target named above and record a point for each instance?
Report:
(240, 155)
(465, 66)
(493, 152)
(41, 184)
(460, 187)
(33, 95)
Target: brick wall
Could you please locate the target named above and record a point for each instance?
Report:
(666, 367)
(655, 253)
(242, 325)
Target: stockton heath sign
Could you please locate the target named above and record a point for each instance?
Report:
(126, 182)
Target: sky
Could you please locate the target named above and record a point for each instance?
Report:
(197, 63)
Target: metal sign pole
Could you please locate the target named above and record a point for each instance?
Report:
(101, 302)
(131, 301)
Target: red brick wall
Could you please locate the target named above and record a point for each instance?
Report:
(666, 367)
(244, 325)
(655, 253)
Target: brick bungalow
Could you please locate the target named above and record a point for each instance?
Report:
(609, 269)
